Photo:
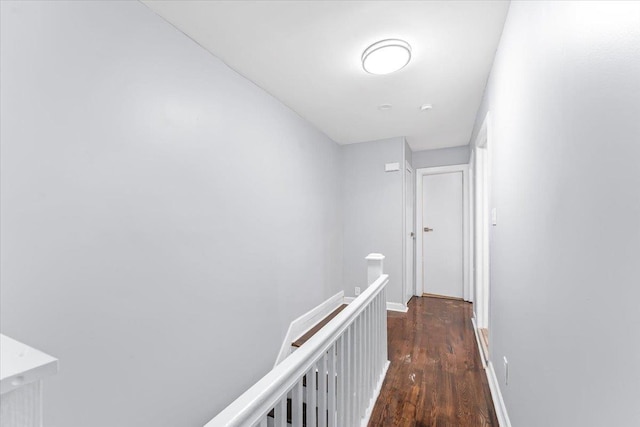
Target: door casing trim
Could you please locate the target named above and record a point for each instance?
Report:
(408, 282)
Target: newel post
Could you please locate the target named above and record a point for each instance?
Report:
(374, 267)
(22, 371)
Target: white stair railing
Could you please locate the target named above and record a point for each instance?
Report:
(333, 380)
(22, 371)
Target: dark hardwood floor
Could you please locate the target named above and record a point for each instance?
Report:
(436, 378)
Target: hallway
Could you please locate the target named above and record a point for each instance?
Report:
(436, 376)
(167, 165)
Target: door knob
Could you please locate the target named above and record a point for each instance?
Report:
(412, 234)
(427, 229)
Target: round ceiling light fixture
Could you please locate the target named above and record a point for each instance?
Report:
(386, 56)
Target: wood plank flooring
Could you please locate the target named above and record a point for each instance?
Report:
(436, 378)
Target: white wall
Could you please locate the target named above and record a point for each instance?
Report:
(441, 157)
(564, 96)
(163, 219)
(373, 212)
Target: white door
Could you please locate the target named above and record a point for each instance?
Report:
(409, 285)
(442, 221)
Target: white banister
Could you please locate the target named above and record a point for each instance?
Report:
(21, 373)
(332, 380)
(374, 267)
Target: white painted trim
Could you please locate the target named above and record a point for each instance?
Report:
(496, 395)
(308, 320)
(22, 371)
(466, 241)
(22, 365)
(494, 385)
(483, 134)
(482, 181)
(404, 220)
(22, 406)
(396, 306)
(374, 398)
(477, 334)
(472, 225)
(391, 306)
(406, 237)
(420, 173)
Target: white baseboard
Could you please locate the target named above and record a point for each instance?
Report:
(374, 398)
(480, 351)
(496, 395)
(302, 324)
(391, 306)
(494, 385)
(396, 306)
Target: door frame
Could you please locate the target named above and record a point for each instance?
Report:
(481, 166)
(408, 282)
(420, 174)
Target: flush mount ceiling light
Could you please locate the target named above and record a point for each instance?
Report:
(385, 107)
(425, 107)
(386, 56)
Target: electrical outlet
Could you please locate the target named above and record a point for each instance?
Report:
(357, 290)
(506, 371)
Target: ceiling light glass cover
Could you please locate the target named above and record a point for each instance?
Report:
(386, 56)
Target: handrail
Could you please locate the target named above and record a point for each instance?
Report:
(257, 401)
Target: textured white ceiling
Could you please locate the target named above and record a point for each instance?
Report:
(307, 54)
